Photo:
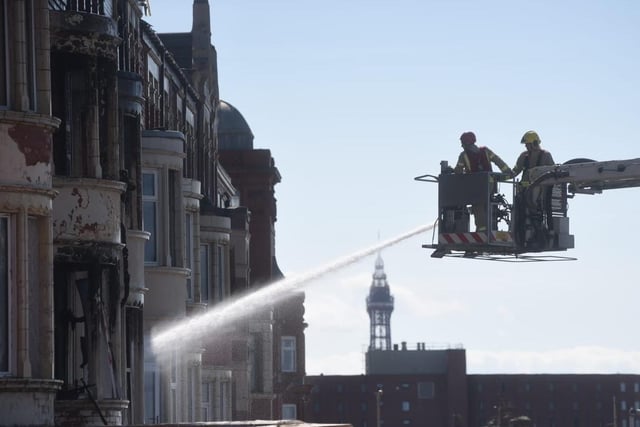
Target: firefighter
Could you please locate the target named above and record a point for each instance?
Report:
(533, 212)
(478, 159)
(533, 156)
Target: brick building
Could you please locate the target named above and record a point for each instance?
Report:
(429, 387)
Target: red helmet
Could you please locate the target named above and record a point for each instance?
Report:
(468, 138)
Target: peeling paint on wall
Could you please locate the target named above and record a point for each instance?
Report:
(22, 152)
(34, 142)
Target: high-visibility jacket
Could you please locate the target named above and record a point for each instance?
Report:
(531, 159)
(479, 161)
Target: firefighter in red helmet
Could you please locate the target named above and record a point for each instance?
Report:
(478, 159)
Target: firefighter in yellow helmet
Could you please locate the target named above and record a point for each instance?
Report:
(532, 217)
(533, 156)
(478, 159)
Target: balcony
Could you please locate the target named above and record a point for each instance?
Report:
(87, 210)
(84, 27)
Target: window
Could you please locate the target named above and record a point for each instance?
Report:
(4, 59)
(255, 362)
(224, 401)
(623, 387)
(150, 215)
(206, 401)
(151, 394)
(175, 218)
(192, 385)
(288, 354)
(153, 95)
(406, 406)
(289, 411)
(4, 295)
(623, 405)
(188, 244)
(30, 54)
(220, 272)
(204, 273)
(173, 385)
(426, 390)
(636, 387)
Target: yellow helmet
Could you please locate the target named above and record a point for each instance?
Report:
(530, 137)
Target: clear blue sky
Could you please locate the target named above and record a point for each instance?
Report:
(355, 98)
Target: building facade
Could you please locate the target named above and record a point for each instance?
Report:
(28, 384)
(117, 219)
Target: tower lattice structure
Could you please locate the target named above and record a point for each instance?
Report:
(379, 307)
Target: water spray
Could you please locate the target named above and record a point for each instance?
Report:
(197, 327)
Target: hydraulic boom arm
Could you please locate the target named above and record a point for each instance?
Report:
(589, 177)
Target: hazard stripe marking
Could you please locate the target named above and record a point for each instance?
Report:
(474, 238)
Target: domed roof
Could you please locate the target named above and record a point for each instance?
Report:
(232, 129)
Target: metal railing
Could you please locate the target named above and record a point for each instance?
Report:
(96, 7)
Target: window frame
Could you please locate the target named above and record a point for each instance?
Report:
(288, 353)
(6, 233)
(205, 400)
(151, 392)
(153, 199)
(188, 256)
(5, 95)
(205, 272)
(288, 409)
(30, 54)
(220, 272)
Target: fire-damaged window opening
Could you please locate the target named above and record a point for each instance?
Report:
(85, 300)
(130, 175)
(82, 131)
(153, 95)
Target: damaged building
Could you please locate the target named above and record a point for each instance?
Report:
(131, 199)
